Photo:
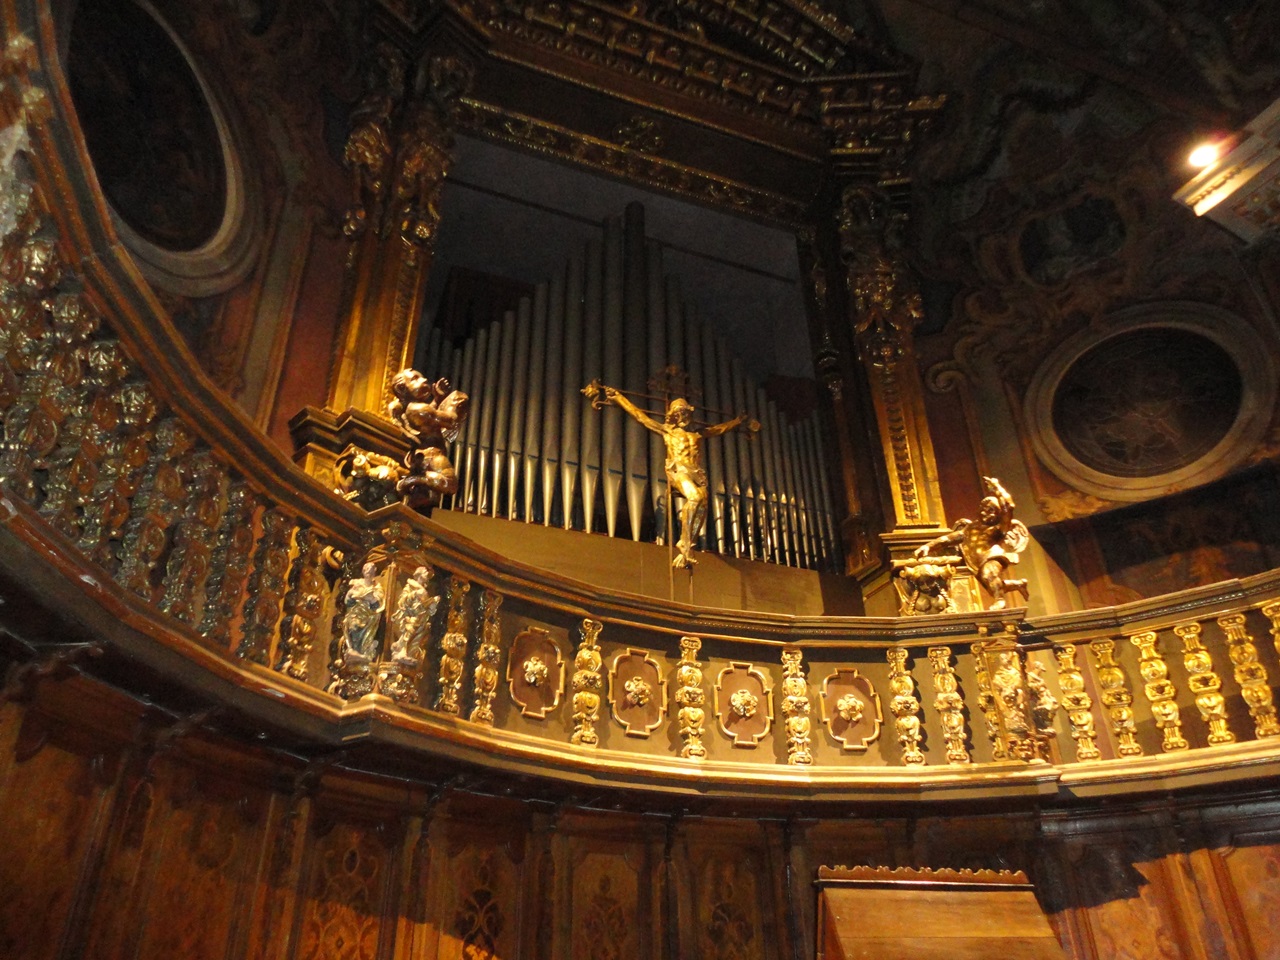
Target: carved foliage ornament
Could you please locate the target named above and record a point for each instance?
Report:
(637, 692)
(851, 709)
(744, 705)
(535, 673)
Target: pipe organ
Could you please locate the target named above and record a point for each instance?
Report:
(535, 450)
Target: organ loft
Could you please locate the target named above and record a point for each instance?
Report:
(561, 480)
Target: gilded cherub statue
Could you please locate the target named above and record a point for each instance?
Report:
(685, 475)
(430, 415)
(988, 545)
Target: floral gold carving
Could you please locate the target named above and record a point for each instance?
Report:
(488, 656)
(453, 648)
(637, 692)
(851, 709)
(905, 706)
(586, 686)
(1251, 675)
(949, 704)
(796, 708)
(1077, 703)
(535, 673)
(1159, 690)
(303, 605)
(1204, 682)
(1116, 697)
(690, 697)
(743, 704)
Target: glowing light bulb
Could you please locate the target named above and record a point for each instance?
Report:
(1204, 155)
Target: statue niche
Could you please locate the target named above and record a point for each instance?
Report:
(429, 414)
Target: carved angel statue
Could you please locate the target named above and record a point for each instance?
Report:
(685, 475)
(989, 544)
(412, 618)
(430, 415)
(365, 602)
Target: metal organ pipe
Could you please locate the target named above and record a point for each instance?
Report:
(592, 426)
(534, 399)
(553, 381)
(611, 443)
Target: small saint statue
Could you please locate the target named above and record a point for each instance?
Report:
(430, 415)
(989, 544)
(685, 475)
(362, 616)
(412, 618)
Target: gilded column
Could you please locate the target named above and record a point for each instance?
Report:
(949, 704)
(1204, 683)
(885, 308)
(1159, 690)
(1272, 613)
(1077, 703)
(1251, 675)
(690, 697)
(587, 684)
(489, 654)
(795, 708)
(453, 646)
(987, 700)
(1116, 697)
(905, 706)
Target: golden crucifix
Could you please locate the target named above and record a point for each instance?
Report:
(685, 475)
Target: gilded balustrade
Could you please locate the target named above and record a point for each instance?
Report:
(132, 493)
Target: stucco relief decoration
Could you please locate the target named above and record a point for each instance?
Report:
(637, 692)
(851, 709)
(743, 704)
(535, 672)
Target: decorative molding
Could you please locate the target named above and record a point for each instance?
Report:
(851, 709)
(535, 673)
(637, 692)
(918, 875)
(744, 704)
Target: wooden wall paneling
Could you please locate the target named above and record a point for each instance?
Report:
(540, 878)
(56, 802)
(411, 897)
(731, 890)
(272, 926)
(1238, 863)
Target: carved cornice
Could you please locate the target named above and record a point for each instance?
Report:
(920, 875)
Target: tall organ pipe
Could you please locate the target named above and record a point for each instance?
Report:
(533, 399)
(611, 457)
(571, 455)
(553, 381)
(657, 353)
(634, 363)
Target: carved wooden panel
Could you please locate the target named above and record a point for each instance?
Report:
(637, 692)
(535, 673)
(851, 709)
(479, 912)
(349, 873)
(1251, 871)
(729, 880)
(605, 908)
(744, 704)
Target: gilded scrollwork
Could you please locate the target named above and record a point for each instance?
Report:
(1159, 690)
(156, 506)
(1077, 703)
(488, 656)
(191, 560)
(905, 706)
(1116, 698)
(229, 566)
(586, 686)
(1204, 682)
(691, 698)
(453, 648)
(796, 708)
(1250, 675)
(949, 704)
(303, 605)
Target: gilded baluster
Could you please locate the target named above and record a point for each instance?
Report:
(190, 561)
(1013, 701)
(987, 701)
(796, 707)
(1251, 676)
(489, 655)
(1116, 697)
(229, 565)
(1159, 690)
(1077, 703)
(155, 508)
(587, 685)
(453, 646)
(1204, 683)
(691, 698)
(905, 706)
(263, 605)
(1272, 612)
(303, 605)
(949, 704)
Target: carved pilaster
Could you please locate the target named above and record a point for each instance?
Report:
(1159, 690)
(488, 655)
(949, 704)
(1251, 675)
(399, 152)
(1077, 703)
(453, 649)
(1116, 697)
(1204, 683)
(691, 699)
(884, 310)
(796, 707)
(905, 707)
(587, 684)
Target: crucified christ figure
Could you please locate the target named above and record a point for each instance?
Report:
(685, 475)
